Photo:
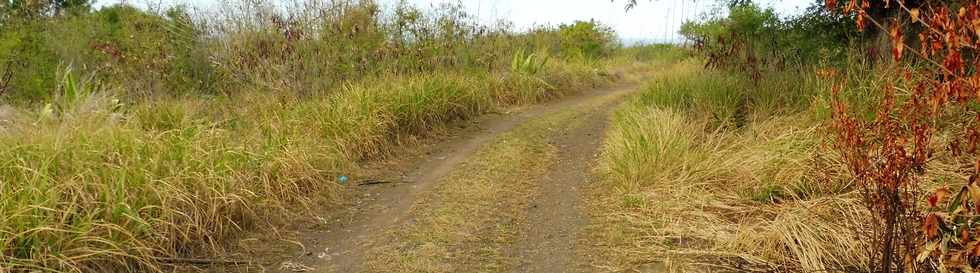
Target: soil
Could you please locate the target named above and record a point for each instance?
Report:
(557, 216)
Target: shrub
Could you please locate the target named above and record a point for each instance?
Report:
(147, 53)
(254, 45)
(752, 39)
(583, 39)
(527, 64)
(927, 114)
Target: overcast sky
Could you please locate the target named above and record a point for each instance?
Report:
(656, 20)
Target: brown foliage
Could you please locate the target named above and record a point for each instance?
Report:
(889, 154)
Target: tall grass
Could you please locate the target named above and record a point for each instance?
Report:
(705, 171)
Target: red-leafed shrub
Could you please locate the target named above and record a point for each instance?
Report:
(930, 114)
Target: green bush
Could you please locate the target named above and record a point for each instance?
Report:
(145, 52)
(752, 38)
(27, 64)
(586, 39)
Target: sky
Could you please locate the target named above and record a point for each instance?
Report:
(651, 21)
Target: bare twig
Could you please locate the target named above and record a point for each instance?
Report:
(194, 261)
(378, 182)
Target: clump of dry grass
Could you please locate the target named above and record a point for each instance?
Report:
(686, 191)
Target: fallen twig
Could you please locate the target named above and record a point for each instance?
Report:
(378, 182)
(195, 261)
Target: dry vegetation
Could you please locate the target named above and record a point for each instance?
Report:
(694, 183)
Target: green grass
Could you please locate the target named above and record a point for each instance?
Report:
(712, 94)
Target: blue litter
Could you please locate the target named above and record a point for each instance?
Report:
(343, 179)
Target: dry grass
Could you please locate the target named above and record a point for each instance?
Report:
(684, 191)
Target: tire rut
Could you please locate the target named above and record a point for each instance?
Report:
(556, 215)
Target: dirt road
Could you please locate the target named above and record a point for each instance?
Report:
(502, 196)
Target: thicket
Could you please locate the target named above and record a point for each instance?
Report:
(756, 40)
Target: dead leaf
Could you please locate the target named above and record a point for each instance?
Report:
(931, 226)
(898, 44)
(938, 197)
(831, 4)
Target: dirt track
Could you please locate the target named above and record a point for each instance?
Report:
(556, 214)
(554, 221)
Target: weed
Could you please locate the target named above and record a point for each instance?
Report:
(527, 64)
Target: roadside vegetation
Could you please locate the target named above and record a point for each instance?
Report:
(840, 140)
(705, 171)
(133, 139)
